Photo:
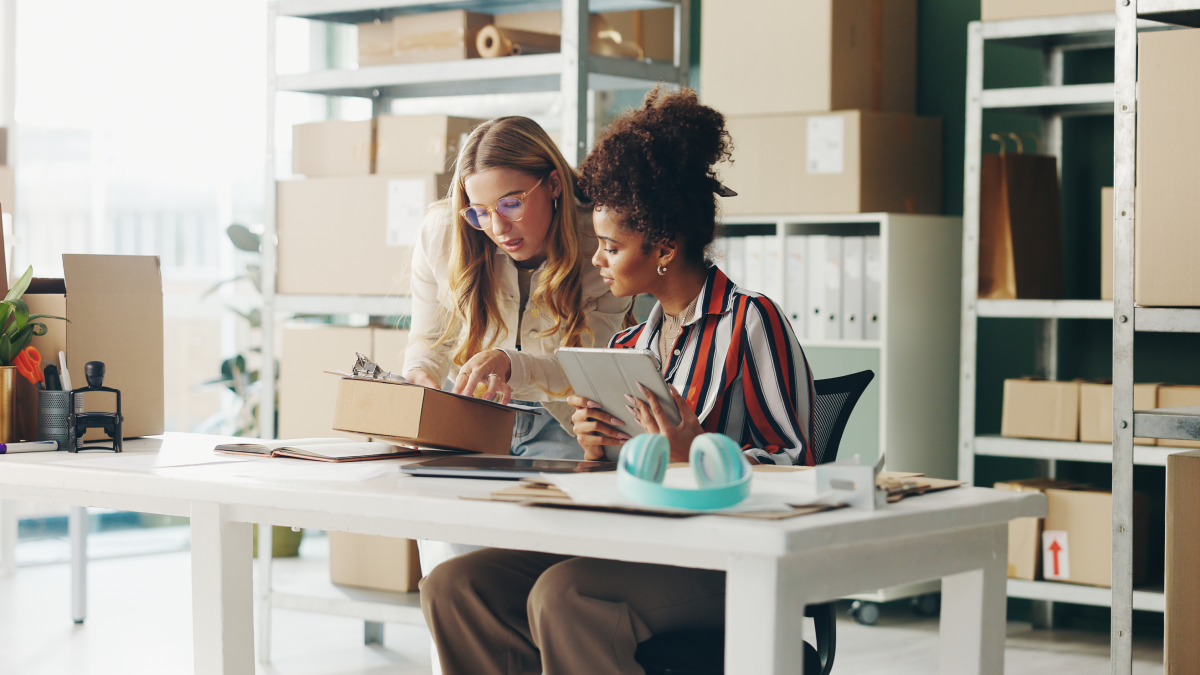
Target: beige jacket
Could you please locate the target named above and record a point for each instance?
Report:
(535, 368)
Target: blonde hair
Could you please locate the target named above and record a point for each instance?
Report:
(512, 143)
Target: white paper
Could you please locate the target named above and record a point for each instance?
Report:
(1056, 555)
(149, 461)
(285, 468)
(826, 144)
(405, 208)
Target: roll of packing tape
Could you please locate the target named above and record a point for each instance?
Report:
(493, 41)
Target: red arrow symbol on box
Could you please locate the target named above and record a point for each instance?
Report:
(1055, 549)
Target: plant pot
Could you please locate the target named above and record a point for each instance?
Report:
(285, 542)
(8, 405)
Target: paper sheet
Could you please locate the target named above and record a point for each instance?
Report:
(280, 468)
(150, 461)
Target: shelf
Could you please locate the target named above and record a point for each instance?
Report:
(507, 75)
(1066, 100)
(375, 305)
(1149, 599)
(1080, 31)
(359, 603)
(363, 11)
(1045, 309)
(1166, 319)
(1175, 423)
(840, 344)
(1180, 12)
(1033, 448)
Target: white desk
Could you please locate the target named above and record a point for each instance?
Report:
(774, 568)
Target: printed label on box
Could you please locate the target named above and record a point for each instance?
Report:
(405, 209)
(826, 144)
(1056, 555)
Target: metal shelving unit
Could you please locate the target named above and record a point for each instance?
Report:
(572, 72)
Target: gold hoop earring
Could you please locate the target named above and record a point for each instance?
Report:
(555, 204)
(662, 269)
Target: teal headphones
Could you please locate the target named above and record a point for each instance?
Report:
(721, 471)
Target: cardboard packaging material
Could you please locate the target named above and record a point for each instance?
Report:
(306, 394)
(834, 54)
(115, 307)
(333, 148)
(853, 161)
(1166, 244)
(426, 418)
(370, 561)
(420, 38)
(1020, 229)
(1085, 516)
(1000, 10)
(1025, 534)
(351, 235)
(388, 345)
(653, 31)
(419, 143)
(1181, 651)
(1041, 409)
(1095, 410)
(1178, 396)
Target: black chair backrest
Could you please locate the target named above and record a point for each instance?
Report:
(835, 401)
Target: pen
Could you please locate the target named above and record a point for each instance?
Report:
(32, 446)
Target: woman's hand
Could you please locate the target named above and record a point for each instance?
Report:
(595, 428)
(491, 367)
(418, 376)
(653, 418)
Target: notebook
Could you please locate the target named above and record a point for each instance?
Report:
(319, 449)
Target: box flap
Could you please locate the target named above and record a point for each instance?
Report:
(112, 275)
(47, 287)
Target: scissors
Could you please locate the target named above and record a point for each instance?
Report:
(29, 364)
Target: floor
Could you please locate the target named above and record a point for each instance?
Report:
(139, 622)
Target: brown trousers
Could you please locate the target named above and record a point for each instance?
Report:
(504, 612)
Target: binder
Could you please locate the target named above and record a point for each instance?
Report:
(852, 287)
(753, 272)
(872, 287)
(824, 288)
(796, 282)
(735, 259)
(772, 268)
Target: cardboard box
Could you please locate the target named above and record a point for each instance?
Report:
(306, 394)
(1086, 517)
(1041, 409)
(1095, 410)
(1178, 396)
(351, 235)
(420, 38)
(427, 418)
(1181, 651)
(388, 347)
(846, 162)
(419, 143)
(115, 307)
(1025, 534)
(1166, 243)
(333, 148)
(1000, 10)
(369, 561)
(783, 56)
(653, 30)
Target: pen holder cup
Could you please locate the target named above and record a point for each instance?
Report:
(54, 409)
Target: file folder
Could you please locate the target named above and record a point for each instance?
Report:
(872, 288)
(852, 288)
(796, 282)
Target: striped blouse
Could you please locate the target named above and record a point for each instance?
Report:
(740, 367)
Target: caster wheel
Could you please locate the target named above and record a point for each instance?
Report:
(929, 604)
(866, 613)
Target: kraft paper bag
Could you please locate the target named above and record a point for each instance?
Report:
(1020, 229)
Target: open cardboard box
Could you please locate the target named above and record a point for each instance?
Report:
(410, 414)
(114, 308)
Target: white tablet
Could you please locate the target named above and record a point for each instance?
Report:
(607, 375)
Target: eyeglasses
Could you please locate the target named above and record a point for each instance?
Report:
(511, 208)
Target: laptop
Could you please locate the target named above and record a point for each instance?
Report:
(494, 467)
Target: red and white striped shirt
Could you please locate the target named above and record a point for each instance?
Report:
(741, 368)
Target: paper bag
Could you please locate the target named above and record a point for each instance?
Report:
(1020, 230)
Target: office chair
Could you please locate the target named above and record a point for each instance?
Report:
(703, 652)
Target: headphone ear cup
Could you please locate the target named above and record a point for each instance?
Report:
(716, 460)
(646, 456)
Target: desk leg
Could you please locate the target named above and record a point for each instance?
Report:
(9, 524)
(266, 551)
(77, 525)
(222, 593)
(974, 613)
(764, 618)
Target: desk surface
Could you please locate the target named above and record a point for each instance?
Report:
(170, 473)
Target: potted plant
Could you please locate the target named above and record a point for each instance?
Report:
(19, 329)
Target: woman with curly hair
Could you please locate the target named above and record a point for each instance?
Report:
(730, 351)
(501, 279)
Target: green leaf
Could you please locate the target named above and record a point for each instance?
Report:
(36, 325)
(21, 286)
(21, 313)
(47, 316)
(21, 339)
(6, 351)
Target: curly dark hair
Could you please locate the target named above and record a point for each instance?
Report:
(654, 166)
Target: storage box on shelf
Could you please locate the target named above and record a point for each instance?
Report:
(1182, 585)
(370, 561)
(1095, 410)
(1041, 409)
(420, 38)
(1085, 516)
(839, 55)
(1025, 534)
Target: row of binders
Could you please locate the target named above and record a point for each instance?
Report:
(829, 286)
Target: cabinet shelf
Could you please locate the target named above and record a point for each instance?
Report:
(375, 305)
(1179, 12)
(1148, 599)
(1045, 309)
(1066, 100)
(364, 11)
(1070, 451)
(1173, 423)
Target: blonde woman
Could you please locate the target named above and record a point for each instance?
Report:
(501, 279)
